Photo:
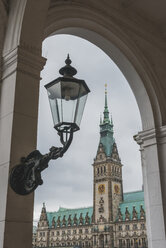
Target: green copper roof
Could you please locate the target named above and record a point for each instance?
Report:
(132, 199)
(107, 141)
(64, 211)
(106, 131)
(133, 196)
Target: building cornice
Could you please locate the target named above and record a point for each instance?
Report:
(151, 137)
(24, 59)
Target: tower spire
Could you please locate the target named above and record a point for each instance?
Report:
(106, 96)
(106, 111)
(106, 130)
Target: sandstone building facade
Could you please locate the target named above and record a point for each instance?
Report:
(116, 219)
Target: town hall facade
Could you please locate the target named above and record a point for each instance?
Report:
(116, 220)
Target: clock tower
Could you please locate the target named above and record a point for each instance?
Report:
(108, 191)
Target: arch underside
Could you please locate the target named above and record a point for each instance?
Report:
(107, 34)
(120, 49)
(126, 68)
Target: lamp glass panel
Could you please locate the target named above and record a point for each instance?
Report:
(54, 93)
(80, 108)
(70, 92)
(67, 101)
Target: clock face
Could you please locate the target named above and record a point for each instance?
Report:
(116, 189)
(101, 188)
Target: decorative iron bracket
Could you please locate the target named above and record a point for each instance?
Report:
(26, 176)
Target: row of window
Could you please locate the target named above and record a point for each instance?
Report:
(71, 244)
(78, 222)
(69, 232)
(80, 231)
(102, 170)
(136, 242)
(42, 234)
(135, 227)
(132, 242)
(115, 169)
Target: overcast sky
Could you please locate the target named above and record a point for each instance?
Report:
(68, 181)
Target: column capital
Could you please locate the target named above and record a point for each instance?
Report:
(151, 137)
(24, 59)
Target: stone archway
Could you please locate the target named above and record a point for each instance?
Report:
(153, 133)
(133, 51)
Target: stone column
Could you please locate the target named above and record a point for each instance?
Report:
(153, 153)
(94, 240)
(18, 133)
(104, 240)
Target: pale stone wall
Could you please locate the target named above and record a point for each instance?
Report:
(66, 236)
(116, 198)
(105, 197)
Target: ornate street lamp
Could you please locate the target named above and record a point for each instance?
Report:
(67, 96)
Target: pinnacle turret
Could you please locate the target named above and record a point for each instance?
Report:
(100, 120)
(43, 215)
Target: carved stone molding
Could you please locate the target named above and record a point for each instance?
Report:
(29, 48)
(23, 58)
(146, 138)
(151, 137)
(161, 135)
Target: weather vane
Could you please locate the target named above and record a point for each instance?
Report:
(105, 88)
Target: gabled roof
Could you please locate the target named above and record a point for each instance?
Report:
(132, 199)
(66, 212)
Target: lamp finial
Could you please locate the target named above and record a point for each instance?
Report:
(68, 60)
(68, 70)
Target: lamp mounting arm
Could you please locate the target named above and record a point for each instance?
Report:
(26, 176)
